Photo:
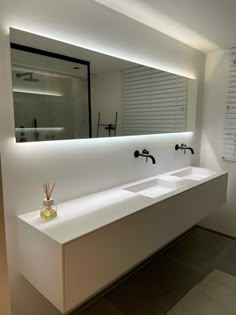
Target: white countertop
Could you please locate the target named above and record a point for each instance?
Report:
(81, 216)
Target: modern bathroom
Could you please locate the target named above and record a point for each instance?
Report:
(117, 157)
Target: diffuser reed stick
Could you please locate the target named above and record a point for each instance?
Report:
(49, 209)
(48, 191)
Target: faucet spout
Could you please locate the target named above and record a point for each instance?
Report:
(151, 157)
(191, 149)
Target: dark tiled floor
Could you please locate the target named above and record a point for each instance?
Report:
(158, 286)
(200, 250)
(102, 307)
(161, 283)
(227, 263)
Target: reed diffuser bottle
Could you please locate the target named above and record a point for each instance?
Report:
(48, 210)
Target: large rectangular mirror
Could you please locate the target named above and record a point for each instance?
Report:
(94, 95)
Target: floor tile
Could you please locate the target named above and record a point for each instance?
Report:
(200, 250)
(227, 260)
(154, 289)
(220, 287)
(214, 295)
(101, 307)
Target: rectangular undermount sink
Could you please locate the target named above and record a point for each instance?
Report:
(158, 186)
(194, 173)
(152, 188)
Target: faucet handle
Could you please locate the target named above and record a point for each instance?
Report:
(136, 153)
(145, 151)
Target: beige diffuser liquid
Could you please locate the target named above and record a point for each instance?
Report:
(48, 213)
(48, 210)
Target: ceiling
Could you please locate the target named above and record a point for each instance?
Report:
(206, 25)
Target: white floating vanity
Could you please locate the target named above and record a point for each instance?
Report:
(97, 238)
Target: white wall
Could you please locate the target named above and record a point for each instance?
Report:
(81, 167)
(4, 284)
(217, 73)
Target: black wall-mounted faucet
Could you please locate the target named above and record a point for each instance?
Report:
(145, 154)
(183, 147)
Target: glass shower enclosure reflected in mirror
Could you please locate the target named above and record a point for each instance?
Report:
(51, 95)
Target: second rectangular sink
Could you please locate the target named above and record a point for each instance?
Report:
(194, 173)
(158, 186)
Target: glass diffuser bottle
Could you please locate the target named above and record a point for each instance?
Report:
(48, 210)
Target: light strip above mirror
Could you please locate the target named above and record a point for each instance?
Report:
(58, 129)
(37, 92)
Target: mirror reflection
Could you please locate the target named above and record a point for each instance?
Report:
(59, 97)
(51, 98)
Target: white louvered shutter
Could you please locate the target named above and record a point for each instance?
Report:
(153, 101)
(229, 148)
